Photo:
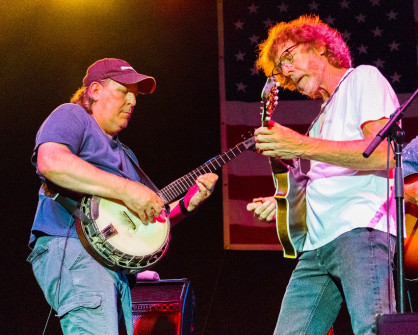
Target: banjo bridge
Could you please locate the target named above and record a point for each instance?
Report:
(128, 220)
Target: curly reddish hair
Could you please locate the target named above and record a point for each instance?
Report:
(308, 30)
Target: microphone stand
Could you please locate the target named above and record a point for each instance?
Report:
(394, 133)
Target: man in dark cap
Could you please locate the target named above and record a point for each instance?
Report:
(78, 153)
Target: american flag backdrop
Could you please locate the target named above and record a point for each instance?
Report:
(378, 32)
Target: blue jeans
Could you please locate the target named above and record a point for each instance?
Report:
(352, 268)
(88, 298)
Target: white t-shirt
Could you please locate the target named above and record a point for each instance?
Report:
(341, 199)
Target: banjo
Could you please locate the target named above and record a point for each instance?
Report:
(117, 238)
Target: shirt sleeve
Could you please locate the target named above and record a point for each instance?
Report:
(375, 98)
(65, 125)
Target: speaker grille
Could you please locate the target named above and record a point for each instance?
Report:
(163, 307)
(157, 323)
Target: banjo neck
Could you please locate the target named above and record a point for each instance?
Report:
(175, 189)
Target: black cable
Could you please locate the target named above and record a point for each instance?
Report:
(47, 321)
(215, 287)
(408, 293)
(58, 288)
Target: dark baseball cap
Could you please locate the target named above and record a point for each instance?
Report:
(120, 71)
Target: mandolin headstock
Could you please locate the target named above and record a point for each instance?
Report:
(269, 97)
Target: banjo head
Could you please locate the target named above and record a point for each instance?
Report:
(118, 239)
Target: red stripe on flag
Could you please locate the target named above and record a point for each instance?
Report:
(235, 133)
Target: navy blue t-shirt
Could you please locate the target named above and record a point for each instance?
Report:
(71, 125)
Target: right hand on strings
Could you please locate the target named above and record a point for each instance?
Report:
(264, 208)
(143, 201)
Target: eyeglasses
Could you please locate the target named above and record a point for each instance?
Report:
(286, 58)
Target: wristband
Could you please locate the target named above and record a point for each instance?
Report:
(183, 208)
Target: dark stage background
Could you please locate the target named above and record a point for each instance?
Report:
(46, 47)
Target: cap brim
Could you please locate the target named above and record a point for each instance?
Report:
(146, 84)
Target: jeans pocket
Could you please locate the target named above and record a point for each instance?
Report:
(37, 252)
(84, 300)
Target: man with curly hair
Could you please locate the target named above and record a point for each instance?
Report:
(347, 248)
